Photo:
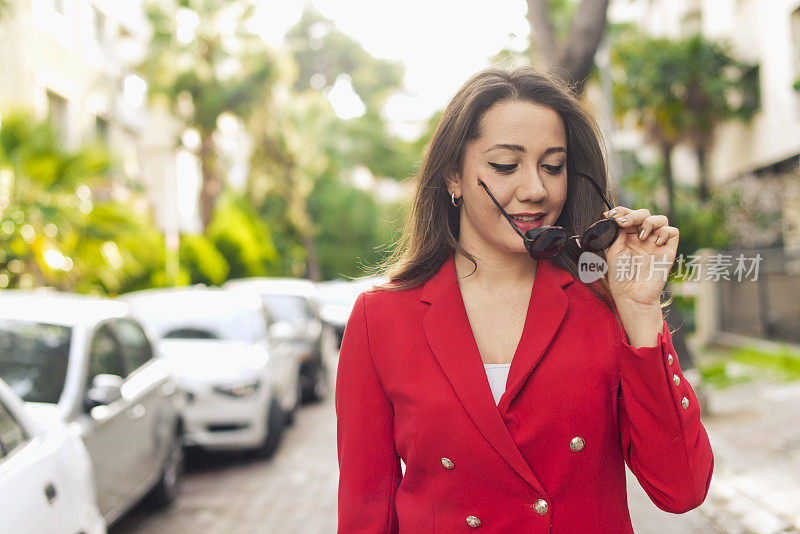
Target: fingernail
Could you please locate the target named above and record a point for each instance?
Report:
(641, 234)
(658, 241)
(612, 212)
(623, 219)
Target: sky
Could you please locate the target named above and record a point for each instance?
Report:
(440, 42)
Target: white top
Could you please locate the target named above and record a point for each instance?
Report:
(497, 373)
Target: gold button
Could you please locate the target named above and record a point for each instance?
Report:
(448, 463)
(473, 521)
(669, 359)
(676, 379)
(685, 403)
(540, 506)
(577, 444)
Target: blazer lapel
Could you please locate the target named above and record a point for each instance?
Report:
(450, 337)
(546, 311)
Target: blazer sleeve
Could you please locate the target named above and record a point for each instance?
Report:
(369, 465)
(663, 441)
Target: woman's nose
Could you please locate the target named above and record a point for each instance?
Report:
(531, 189)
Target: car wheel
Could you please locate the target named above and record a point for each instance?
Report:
(276, 421)
(167, 488)
(316, 388)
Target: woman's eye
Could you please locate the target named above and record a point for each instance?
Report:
(504, 169)
(553, 169)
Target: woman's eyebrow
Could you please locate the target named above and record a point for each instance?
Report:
(517, 148)
(520, 148)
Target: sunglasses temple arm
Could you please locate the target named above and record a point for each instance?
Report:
(597, 187)
(506, 215)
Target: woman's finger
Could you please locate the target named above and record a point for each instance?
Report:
(665, 233)
(617, 211)
(654, 222)
(633, 219)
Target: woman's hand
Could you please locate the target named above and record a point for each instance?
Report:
(640, 257)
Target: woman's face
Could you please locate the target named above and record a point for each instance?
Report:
(521, 155)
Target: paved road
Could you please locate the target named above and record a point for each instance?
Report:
(295, 492)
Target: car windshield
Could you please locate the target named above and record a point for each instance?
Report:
(288, 308)
(34, 358)
(204, 324)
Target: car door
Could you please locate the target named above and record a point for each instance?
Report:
(284, 362)
(32, 497)
(150, 388)
(110, 433)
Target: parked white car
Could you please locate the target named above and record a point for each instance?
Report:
(46, 482)
(295, 325)
(240, 392)
(85, 361)
(337, 298)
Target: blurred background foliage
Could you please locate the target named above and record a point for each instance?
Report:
(302, 211)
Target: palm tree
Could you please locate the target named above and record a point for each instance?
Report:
(206, 63)
(288, 159)
(677, 91)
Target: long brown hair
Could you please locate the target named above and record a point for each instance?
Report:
(432, 228)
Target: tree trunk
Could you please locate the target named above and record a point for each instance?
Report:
(313, 270)
(543, 44)
(212, 181)
(572, 60)
(666, 156)
(703, 188)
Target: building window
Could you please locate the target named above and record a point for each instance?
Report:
(134, 91)
(101, 129)
(57, 113)
(751, 88)
(98, 26)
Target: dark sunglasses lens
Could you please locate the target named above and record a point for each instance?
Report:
(547, 243)
(600, 235)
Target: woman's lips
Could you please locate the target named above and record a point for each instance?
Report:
(525, 226)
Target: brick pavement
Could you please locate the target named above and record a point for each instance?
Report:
(755, 434)
(294, 492)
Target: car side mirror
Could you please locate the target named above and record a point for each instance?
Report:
(105, 390)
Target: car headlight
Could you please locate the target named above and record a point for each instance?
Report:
(244, 390)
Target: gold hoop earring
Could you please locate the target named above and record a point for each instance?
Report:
(453, 199)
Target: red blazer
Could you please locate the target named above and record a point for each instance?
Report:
(579, 401)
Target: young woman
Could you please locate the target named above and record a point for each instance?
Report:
(513, 387)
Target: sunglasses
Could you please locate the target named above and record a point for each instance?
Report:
(547, 241)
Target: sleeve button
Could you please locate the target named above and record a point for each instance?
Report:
(685, 403)
(448, 463)
(669, 359)
(676, 379)
(473, 521)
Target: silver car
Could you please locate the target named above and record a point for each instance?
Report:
(241, 389)
(295, 323)
(86, 361)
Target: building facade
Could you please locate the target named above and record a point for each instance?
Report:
(761, 156)
(74, 61)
